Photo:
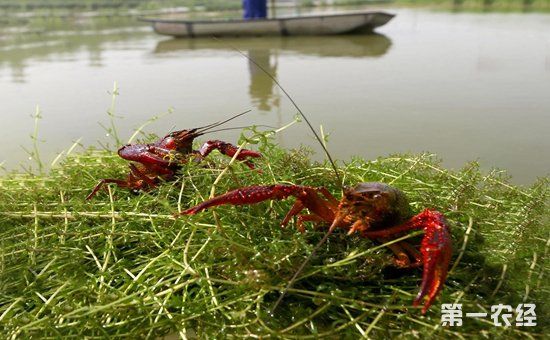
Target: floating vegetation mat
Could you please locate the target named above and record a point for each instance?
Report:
(121, 266)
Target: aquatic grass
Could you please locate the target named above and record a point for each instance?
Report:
(34, 153)
(111, 128)
(123, 266)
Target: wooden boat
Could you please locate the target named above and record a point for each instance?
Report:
(326, 24)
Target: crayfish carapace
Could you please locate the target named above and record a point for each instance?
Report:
(161, 160)
(375, 210)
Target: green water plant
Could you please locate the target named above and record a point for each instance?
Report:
(34, 152)
(123, 266)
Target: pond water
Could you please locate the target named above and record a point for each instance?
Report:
(466, 86)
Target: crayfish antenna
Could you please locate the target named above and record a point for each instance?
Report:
(243, 127)
(201, 130)
(332, 163)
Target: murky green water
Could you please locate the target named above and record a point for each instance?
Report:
(465, 86)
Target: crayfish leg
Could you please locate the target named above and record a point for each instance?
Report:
(401, 257)
(412, 252)
(119, 182)
(137, 173)
(308, 218)
(297, 207)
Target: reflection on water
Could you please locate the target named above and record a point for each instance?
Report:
(261, 87)
(265, 52)
(352, 46)
(62, 47)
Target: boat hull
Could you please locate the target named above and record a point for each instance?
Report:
(305, 25)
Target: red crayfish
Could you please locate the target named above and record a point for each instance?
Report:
(375, 210)
(161, 160)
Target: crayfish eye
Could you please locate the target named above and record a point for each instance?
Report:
(372, 195)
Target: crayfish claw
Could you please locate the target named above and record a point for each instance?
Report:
(247, 195)
(436, 252)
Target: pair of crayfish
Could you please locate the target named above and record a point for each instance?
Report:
(375, 210)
